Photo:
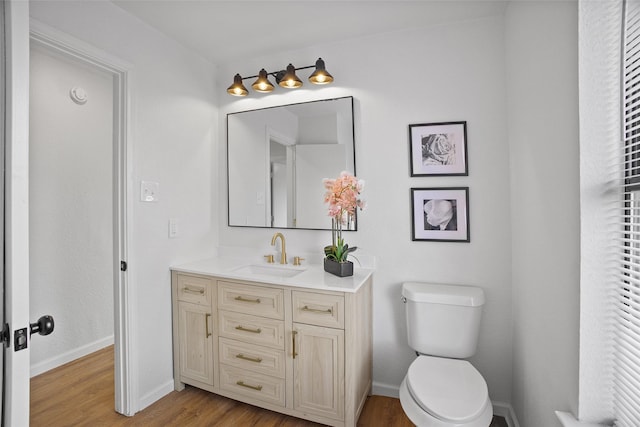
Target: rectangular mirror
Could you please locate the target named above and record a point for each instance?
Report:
(277, 158)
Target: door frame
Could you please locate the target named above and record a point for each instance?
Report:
(126, 387)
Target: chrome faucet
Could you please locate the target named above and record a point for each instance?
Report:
(283, 255)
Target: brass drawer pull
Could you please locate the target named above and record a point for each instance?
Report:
(293, 335)
(243, 299)
(189, 290)
(206, 324)
(249, 358)
(242, 328)
(253, 387)
(315, 310)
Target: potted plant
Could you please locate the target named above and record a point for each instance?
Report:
(343, 198)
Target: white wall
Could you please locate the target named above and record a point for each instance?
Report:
(542, 85)
(453, 72)
(70, 208)
(173, 124)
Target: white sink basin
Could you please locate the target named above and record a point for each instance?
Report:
(268, 270)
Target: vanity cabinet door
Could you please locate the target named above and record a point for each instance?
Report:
(318, 365)
(195, 342)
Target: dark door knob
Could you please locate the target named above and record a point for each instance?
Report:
(44, 326)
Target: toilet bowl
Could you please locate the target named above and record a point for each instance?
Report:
(441, 392)
(441, 388)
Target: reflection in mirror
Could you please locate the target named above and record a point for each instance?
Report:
(277, 158)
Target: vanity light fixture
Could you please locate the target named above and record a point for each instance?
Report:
(284, 78)
(237, 88)
(263, 84)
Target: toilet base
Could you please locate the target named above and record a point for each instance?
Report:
(421, 418)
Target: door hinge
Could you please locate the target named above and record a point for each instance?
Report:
(123, 266)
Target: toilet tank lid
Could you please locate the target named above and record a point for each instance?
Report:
(434, 293)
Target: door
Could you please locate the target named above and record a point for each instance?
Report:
(16, 211)
(319, 371)
(2, 149)
(195, 342)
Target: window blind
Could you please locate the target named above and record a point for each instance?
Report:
(626, 352)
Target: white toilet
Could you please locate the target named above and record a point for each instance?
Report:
(440, 389)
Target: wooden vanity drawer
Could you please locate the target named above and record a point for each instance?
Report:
(252, 329)
(192, 289)
(257, 358)
(252, 385)
(318, 309)
(257, 300)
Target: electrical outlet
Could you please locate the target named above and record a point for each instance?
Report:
(149, 191)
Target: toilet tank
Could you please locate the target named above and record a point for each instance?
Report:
(443, 320)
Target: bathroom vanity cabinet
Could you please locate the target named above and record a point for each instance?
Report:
(300, 350)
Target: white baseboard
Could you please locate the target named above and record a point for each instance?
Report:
(71, 355)
(155, 395)
(506, 411)
(382, 389)
(569, 420)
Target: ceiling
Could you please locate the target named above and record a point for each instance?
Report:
(227, 31)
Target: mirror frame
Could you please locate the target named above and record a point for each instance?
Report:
(353, 137)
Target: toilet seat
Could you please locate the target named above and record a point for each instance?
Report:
(451, 390)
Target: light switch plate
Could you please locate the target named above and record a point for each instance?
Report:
(174, 229)
(149, 191)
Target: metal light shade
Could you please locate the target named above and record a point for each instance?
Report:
(237, 88)
(262, 84)
(320, 76)
(290, 80)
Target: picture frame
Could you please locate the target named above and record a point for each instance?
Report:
(438, 149)
(440, 214)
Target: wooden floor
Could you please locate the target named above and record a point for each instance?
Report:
(81, 393)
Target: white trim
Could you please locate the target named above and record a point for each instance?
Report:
(71, 355)
(599, 112)
(289, 143)
(126, 374)
(70, 45)
(568, 420)
(156, 394)
(382, 389)
(505, 411)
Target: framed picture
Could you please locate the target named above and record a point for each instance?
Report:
(438, 149)
(440, 214)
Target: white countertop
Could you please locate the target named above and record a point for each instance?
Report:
(311, 276)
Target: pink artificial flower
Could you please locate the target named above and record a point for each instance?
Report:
(342, 196)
